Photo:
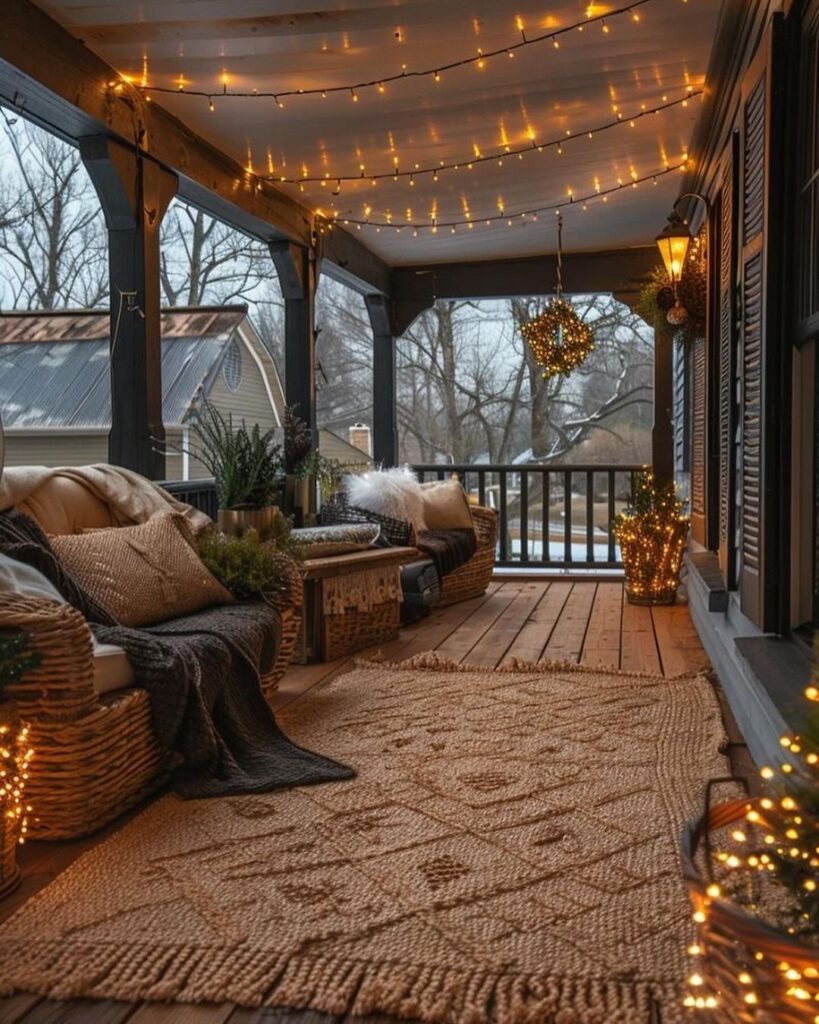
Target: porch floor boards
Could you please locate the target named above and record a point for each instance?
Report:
(533, 620)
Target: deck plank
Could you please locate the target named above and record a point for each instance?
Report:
(532, 639)
(566, 641)
(80, 1011)
(601, 645)
(681, 652)
(458, 645)
(14, 1008)
(182, 1013)
(496, 641)
(638, 652)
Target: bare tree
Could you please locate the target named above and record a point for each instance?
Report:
(53, 242)
(468, 385)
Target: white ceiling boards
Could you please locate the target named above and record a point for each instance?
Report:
(633, 62)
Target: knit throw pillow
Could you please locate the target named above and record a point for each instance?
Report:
(446, 506)
(142, 574)
(389, 492)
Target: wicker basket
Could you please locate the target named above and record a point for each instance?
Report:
(288, 642)
(739, 953)
(337, 510)
(472, 578)
(353, 630)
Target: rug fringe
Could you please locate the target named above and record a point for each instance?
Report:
(433, 661)
(434, 995)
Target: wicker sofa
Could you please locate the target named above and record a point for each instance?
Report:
(469, 580)
(96, 753)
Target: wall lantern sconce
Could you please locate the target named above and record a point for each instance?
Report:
(673, 241)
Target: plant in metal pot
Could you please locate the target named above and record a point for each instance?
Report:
(247, 464)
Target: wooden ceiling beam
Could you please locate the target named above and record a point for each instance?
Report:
(622, 272)
(50, 77)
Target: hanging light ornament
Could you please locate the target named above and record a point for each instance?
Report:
(558, 338)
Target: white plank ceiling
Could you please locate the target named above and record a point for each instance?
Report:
(543, 93)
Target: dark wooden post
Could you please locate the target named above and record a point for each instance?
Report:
(297, 277)
(297, 272)
(134, 193)
(385, 412)
(662, 433)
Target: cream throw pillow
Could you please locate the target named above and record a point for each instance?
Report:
(141, 574)
(446, 506)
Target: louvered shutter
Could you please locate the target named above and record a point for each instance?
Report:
(726, 312)
(757, 332)
(680, 410)
(699, 413)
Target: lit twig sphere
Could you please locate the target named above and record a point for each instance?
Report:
(558, 339)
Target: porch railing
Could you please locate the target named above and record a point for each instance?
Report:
(550, 517)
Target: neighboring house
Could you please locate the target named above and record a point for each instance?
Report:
(55, 391)
(349, 455)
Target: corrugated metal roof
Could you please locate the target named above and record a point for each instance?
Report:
(54, 366)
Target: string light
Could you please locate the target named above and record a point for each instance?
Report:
(15, 757)
(772, 970)
(532, 146)
(652, 535)
(599, 193)
(479, 60)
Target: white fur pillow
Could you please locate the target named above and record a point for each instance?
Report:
(389, 492)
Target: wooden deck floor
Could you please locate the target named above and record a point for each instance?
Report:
(531, 619)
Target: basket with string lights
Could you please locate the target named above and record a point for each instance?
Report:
(557, 337)
(651, 534)
(15, 758)
(752, 869)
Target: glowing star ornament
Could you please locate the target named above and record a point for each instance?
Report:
(557, 337)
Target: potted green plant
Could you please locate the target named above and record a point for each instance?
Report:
(247, 465)
(652, 534)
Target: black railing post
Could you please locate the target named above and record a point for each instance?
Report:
(504, 516)
(611, 509)
(567, 515)
(590, 515)
(524, 516)
(545, 546)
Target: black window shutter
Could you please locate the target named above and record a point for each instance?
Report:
(727, 357)
(758, 339)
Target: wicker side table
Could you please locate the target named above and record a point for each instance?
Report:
(351, 601)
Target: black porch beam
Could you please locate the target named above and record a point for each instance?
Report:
(134, 194)
(622, 272)
(385, 414)
(296, 269)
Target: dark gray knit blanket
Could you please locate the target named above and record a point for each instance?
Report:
(202, 674)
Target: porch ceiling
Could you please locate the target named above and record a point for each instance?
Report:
(545, 91)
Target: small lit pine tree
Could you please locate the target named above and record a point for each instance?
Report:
(16, 657)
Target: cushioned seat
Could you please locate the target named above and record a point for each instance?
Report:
(112, 670)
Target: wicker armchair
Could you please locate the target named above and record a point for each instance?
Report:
(470, 580)
(95, 755)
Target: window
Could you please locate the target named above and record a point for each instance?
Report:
(232, 366)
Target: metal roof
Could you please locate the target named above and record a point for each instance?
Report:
(54, 366)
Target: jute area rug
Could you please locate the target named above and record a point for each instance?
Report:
(507, 854)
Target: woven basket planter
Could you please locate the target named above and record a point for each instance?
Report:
(472, 578)
(741, 956)
(652, 559)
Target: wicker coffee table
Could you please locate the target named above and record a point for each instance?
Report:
(351, 601)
